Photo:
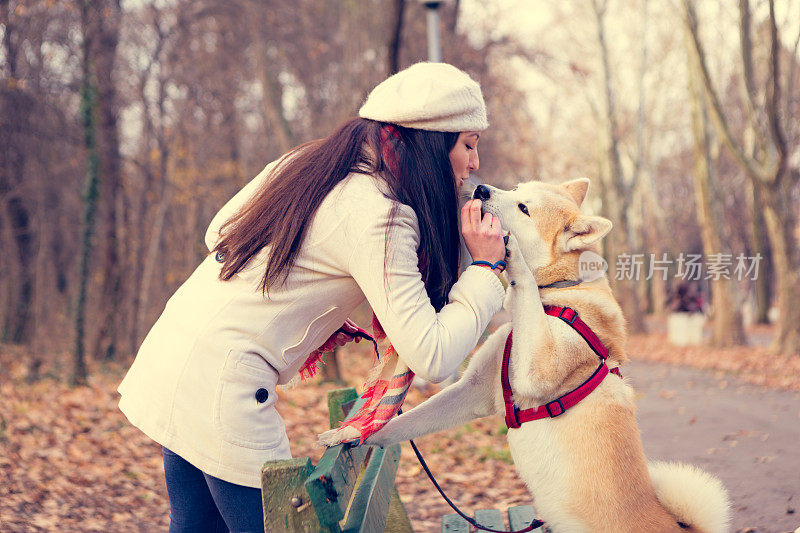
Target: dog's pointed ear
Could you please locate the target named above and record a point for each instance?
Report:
(586, 230)
(577, 189)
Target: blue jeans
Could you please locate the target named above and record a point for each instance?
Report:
(202, 503)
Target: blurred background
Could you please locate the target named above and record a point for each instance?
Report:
(125, 125)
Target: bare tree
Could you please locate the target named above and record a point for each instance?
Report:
(90, 193)
(154, 161)
(106, 17)
(269, 75)
(726, 314)
(617, 189)
(15, 216)
(768, 165)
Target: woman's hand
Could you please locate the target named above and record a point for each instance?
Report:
(483, 236)
(340, 337)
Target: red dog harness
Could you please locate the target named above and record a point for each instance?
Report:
(514, 417)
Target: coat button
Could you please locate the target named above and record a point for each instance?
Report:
(262, 395)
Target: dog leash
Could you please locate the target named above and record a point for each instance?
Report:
(535, 523)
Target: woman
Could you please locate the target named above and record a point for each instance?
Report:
(368, 212)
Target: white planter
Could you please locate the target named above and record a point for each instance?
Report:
(685, 329)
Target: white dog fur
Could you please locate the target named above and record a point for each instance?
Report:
(585, 469)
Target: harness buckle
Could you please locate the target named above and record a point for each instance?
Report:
(554, 403)
(569, 321)
(512, 415)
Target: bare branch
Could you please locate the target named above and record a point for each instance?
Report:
(774, 94)
(641, 112)
(617, 173)
(747, 72)
(272, 101)
(788, 112)
(715, 107)
(394, 44)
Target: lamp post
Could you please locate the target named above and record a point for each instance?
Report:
(434, 41)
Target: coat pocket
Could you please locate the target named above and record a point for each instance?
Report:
(244, 407)
(316, 333)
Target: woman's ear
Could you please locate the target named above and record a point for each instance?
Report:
(577, 189)
(586, 230)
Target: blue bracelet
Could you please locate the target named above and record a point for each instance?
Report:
(499, 263)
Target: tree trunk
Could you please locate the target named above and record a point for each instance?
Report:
(397, 34)
(330, 370)
(151, 258)
(107, 14)
(760, 246)
(726, 314)
(140, 217)
(16, 106)
(19, 322)
(639, 178)
(153, 158)
(272, 98)
(90, 196)
(617, 195)
(786, 268)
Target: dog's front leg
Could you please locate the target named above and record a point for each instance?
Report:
(470, 397)
(533, 340)
(449, 408)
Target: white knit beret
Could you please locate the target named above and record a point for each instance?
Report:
(428, 96)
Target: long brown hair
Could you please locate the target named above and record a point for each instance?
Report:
(279, 213)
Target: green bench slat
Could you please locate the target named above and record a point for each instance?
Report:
(337, 398)
(397, 518)
(333, 480)
(521, 516)
(452, 523)
(492, 518)
(282, 481)
(370, 504)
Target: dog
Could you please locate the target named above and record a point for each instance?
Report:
(584, 466)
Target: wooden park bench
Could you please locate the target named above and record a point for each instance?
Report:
(519, 517)
(351, 489)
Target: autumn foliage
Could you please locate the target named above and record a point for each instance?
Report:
(69, 460)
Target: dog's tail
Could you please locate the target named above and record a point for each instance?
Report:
(697, 500)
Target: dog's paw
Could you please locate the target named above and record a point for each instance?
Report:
(516, 270)
(512, 247)
(386, 436)
(376, 439)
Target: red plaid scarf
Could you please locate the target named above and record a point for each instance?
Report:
(384, 391)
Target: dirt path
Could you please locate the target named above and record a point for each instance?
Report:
(746, 435)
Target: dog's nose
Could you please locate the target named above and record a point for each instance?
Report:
(481, 192)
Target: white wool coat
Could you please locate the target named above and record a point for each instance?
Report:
(197, 383)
